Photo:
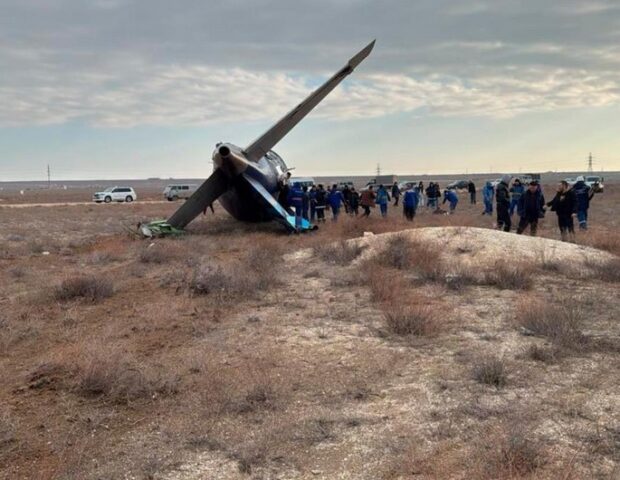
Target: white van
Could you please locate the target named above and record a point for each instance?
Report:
(174, 192)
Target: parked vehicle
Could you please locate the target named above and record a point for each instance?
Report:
(174, 192)
(115, 194)
(341, 185)
(458, 185)
(595, 183)
(407, 184)
(303, 181)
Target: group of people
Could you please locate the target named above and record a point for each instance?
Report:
(528, 201)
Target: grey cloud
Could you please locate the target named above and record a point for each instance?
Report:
(130, 62)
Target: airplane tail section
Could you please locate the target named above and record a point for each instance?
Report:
(267, 141)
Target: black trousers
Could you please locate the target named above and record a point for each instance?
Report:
(524, 222)
(409, 212)
(503, 217)
(366, 210)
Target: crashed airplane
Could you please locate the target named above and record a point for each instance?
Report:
(247, 181)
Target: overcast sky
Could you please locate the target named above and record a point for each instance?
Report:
(143, 88)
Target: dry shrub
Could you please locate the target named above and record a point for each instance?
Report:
(490, 371)
(406, 320)
(404, 253)
(385, 285)
(560, 322)
(158, 253)
(8, 429)
(340, 253)
(119, 378)
(17, 271)
(542, 354)
(88, 287)
(607, 270)
(603, 239)
(510, 450)
(507, 275)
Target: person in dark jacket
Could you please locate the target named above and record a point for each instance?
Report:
(502, 201)
(335, 200)
(354, 202)
(411, 200)
(296, 195)
(529, 208)
(312, 199)
(565, 206)
(321, 202)
(395, 193)
(346, 195)
(471, 188)
(583, 195)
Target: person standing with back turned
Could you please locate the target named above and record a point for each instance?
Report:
(502, 200)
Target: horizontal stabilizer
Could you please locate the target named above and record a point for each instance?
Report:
(268, 140)
(280, 214)
(207, 193)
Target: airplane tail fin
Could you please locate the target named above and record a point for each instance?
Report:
(266, 142)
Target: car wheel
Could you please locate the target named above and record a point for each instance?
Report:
(175, 198)
(107, 199)
(129, 199)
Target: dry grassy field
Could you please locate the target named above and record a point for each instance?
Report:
(442, 349)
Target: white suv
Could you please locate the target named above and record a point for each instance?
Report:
(117, 194)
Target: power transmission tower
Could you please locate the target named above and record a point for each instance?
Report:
(590, 163)
(378, 169)
(49, 178)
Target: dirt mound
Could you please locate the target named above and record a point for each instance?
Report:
(480, 246)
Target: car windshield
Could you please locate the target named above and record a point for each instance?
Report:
(109, 189)
(592, 179)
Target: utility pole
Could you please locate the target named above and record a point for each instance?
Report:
(49, 178)
(378, 169)
(590, 163)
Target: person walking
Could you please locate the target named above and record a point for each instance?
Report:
(451, 197)
(529, 209)
(383, 199)
(471, 188)
(346, 195)
(367, 200)
(335, 200)
(516, 191)
(312, 199)
(354, 202)
(583, 195)
(432, 195)
(488, 194)
(395, 193)
(502, 201)
(565, 206)
(411, 200)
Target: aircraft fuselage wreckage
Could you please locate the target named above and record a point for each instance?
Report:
(247, 181)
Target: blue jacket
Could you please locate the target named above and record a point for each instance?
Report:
(582, 195)
(450, 196)
(383, 197)
(335, 198)
(411, 198)
(296, 197)
(517, 191)
(488, 192)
